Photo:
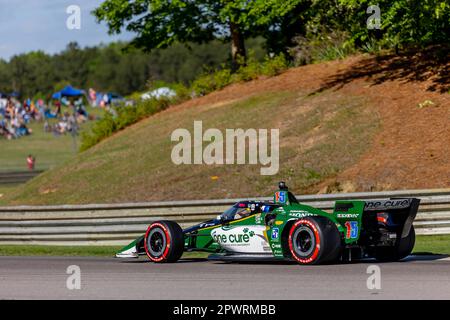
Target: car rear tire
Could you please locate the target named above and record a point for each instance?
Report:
(164, 242)
(314, 240)
(395, 253)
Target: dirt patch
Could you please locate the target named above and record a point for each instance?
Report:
(412, 149)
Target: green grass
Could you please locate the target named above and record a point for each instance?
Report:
(76, 251)
(35, 250)
(50, 151)
(135, 164)
(433, 244)
(6, 189)
(424, 244)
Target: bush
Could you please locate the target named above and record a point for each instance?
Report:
(212, 81)
(249, 70)
(103, 128)
(119, 118)
(252, 69)
(323, 47)
(274, 66)
(183, 92)
(371, 46)
(203, 85)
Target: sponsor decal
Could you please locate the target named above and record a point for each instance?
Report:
(387, 204)
(205, 225)
(347, 215)
(238, 238)
(276, 246)
(279, 210)
(243, 239)
(275, 232)
(300, 214)
(232, 238)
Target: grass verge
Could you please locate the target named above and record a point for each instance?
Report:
(424, 244)
(433, 244)
(74, 251)
(5, 189)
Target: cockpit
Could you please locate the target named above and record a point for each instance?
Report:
(244, 209)
(238, 211)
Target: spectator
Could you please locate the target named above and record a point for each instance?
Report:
(31, 161)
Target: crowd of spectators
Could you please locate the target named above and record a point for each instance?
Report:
(59, 117)
(14, 117)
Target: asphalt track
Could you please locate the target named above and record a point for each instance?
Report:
(102, 278)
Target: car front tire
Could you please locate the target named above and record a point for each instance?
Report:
(164, 242)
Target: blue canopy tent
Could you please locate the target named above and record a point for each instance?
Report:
(68, 91)
(57, 96)
(7, 95)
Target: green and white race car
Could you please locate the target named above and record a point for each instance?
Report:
(284, 229)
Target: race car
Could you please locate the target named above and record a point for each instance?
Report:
(284, 229)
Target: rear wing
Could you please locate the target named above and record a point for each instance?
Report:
(404, 206)
(390, 204)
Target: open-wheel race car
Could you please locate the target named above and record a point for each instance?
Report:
(284, 229)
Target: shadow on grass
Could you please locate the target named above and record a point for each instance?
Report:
(432, 63)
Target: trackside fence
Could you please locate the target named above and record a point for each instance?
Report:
(117, 224)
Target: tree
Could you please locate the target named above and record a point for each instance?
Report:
(31, 73)
(5, 77)
(404, 23)
(282, 21)
(160, 23)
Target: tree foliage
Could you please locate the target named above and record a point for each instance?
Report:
(404, 23)
(111, 68)
(159, 23)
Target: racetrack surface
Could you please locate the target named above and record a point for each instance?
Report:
(418, 277)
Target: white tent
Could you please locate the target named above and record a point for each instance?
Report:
(159, 93)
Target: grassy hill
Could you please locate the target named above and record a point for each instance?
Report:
(356, 124)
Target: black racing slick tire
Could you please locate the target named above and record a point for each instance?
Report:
(403, 248)
(314, 240)
(164, 242)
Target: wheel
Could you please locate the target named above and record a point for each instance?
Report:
(164, 241)
(403, 248)
(314, 240)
